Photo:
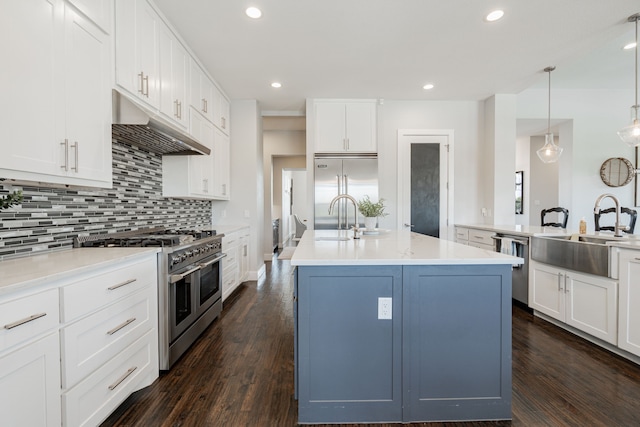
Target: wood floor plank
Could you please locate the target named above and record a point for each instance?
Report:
(240, 372)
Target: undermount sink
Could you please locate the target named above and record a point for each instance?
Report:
(588, 254)
(333, 238)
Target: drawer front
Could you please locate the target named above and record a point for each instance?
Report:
(92, 400)
(462, 234)
(88, 295)
(481, 236)
(25, 318)
(481, 246)
(230, 241)
(92, 341)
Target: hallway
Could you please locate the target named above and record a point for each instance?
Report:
(240, 372)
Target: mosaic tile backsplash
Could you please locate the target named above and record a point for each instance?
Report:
(49, 218)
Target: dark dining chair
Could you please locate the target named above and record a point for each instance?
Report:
(632, 214)
(558, 210)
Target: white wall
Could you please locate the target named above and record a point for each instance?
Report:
(522, 164)
(594, 117)
(277, 144)
(466, 118)
(247, 188)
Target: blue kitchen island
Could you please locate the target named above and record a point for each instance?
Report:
(401, 327)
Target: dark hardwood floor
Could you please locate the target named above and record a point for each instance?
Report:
(240, 372)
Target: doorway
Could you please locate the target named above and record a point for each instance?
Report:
(425, 181)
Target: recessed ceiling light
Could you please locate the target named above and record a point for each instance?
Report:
(276, 85)
(428, 86)
(495, 15)
(629, 46)
(253, 12)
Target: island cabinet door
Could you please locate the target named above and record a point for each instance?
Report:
(457, 343)
(349, 344)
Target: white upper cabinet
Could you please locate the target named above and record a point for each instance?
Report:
(60, 77)
(137, 69)
(221, 163)
(202, 89)
(191, 176)
(99, 11)
(345, 126)
(174, 69)
(221, 111)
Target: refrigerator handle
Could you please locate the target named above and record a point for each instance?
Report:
(345, 205)
(339, 202)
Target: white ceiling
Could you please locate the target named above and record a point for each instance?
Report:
(390, 48)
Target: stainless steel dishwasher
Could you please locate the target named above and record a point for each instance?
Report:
(516, 246)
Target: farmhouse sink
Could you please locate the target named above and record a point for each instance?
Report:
(587, 254)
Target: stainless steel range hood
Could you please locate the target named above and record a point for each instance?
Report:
(138, 126)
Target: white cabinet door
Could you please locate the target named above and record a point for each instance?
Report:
(330, 125)
(137, 50)
(546, 290)
(244, 256)
(345, 126)
(221, 111)
(221, 161)
(30, 384)
(64, 81)
(361, 127)
(592, 305)
(98, 11)
(629, 315)
(201, 92)
(174, 63)
(88, 99)
(29, 88)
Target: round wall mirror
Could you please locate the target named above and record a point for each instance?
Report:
(617, 171)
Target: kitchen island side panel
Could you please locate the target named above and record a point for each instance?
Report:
(457, 343)
(349, 359)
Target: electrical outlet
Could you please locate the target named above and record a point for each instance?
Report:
(246, 213)
(384, 308)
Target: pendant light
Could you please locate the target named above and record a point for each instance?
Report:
(631, 134)
(550, 152)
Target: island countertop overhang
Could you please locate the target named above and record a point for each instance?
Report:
(390, 247)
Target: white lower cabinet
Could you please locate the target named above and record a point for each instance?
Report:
(481, 239)
(109, 341)
(236, 264)
(628, 314)
(586, 302)
(94, 398)
(30, 360)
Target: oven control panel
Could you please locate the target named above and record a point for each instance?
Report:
(194, 253)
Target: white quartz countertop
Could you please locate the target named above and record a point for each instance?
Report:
(228, 228)
(390, 247)
(31, 271)
(520, 230)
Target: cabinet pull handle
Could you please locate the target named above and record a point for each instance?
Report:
(180, 109)
(348, 147)
(566, 288)
(75, 146)
(141, 75)
(119, 285)
(25, 320)
(146, 83)
(204, 105)
(122, 378)
(224, 189)
(176, 113)
(65, 166)
(120, 326)
(224, 122)
(559, 281)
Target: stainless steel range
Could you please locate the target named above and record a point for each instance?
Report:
(189, 284)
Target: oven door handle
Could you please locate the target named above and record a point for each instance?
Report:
(177, 277)
(216, 259)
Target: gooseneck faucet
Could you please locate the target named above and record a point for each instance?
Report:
(356, 229)
(596, 210)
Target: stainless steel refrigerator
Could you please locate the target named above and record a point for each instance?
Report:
(333, 175)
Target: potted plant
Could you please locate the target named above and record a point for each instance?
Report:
(371, 211)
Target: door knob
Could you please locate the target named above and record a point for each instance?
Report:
(409, 225)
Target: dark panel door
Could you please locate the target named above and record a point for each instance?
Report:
(425, 188)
